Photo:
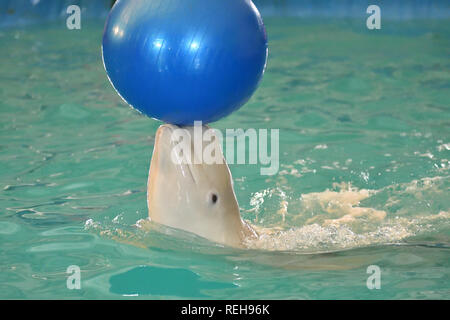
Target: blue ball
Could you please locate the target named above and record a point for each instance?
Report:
(180, 61)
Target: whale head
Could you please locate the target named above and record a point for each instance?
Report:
(193, 195)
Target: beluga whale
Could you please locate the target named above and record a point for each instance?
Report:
(188, 192)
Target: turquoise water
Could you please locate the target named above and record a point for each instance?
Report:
(364, 171)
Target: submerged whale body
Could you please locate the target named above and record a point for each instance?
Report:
(193, 195)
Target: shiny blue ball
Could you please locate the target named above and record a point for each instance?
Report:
(180, 61)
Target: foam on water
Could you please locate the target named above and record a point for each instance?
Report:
(341, 222)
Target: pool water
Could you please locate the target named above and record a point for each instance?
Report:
(364, 171)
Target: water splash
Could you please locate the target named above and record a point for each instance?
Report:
(333, 220)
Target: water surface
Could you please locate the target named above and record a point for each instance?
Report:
(363, 180)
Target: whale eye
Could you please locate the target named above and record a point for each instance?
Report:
(214, 198)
